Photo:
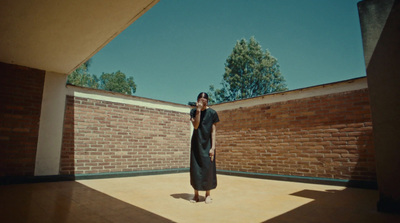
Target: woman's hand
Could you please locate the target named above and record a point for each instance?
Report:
(211, 153)
(202, 104)
(199, 105)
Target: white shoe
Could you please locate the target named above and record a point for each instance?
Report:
(193, 200)
(208, 200)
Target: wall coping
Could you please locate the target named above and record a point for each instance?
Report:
(109, 96)
(318, 90)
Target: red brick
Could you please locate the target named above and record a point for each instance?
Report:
(113, 131)
(320, 131)
(21, 90)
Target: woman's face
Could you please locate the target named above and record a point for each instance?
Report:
(204, 101)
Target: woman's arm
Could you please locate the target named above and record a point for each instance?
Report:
(196, 119)
(213, 133)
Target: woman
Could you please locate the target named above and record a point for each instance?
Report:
(203, 175)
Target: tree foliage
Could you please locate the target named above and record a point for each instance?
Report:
(249, 72)
(115, 82)
(81, 77)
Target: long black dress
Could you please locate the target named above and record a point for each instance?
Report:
(203, 174)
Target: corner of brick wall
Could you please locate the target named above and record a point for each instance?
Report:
(106, 137)
(21, 98)
(326, 136)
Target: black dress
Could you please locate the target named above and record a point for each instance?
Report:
(203, 174)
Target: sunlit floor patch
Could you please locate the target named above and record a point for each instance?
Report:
(240, 199)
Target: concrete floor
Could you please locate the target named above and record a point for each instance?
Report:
(165, 198)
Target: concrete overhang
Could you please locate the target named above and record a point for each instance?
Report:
(60, 35)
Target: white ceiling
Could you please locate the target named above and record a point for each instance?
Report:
(60, 35)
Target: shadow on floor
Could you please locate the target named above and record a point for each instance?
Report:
(184, 196)
(66, 202)
(324, 208)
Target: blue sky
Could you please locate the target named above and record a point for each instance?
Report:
(179, 47)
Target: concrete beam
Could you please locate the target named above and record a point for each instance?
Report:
(380, 22)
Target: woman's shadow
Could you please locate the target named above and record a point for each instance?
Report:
(185, 196)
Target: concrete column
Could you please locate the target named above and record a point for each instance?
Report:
(51, 125)
(380, 22)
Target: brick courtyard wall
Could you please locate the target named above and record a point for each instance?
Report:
(21, 92)
(115, 133)
(324, 136)
(323, 132)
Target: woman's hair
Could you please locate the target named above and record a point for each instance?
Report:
(202, 95)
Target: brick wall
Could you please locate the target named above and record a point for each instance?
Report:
(101, 136)
(327, 136)
(21, 92)
(322, 135)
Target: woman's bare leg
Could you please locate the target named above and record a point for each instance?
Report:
(196, 197)
(208, 197)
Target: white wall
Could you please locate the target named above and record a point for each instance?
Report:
(51, 125)
(319, 90)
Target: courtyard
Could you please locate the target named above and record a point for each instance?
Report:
(165, 198)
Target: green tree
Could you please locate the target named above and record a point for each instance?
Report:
(248, 73)
(117, 82)
(82, 77)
